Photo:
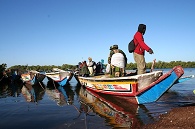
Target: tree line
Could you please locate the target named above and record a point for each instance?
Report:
(164, 65)
(129, 66)
(46, 68)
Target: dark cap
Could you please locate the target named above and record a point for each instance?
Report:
(110, 47)
(114, 47)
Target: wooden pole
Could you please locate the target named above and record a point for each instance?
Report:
(153, 63)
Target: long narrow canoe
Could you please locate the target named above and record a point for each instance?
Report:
(29, 78)
(139, 89)
(59, 76)
(32, 77)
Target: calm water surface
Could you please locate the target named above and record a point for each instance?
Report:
(45, 107)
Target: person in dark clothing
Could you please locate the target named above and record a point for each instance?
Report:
(84, 70)
(140, 49)
(110, 54)
(98, 68)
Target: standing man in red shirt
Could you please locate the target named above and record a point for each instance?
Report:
(140, 49)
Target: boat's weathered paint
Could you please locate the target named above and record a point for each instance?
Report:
(140, 89)
(156, 91)
(63, 82)
(29, 78)
(122, 86)
(61, 77)
(32, 77)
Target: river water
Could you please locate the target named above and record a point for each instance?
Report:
(44, 107)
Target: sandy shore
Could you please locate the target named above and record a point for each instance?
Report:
(177, 118)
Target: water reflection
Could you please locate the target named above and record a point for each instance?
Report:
(117, 111)
(80, 108)
(62, 95)
(13, 88)
(33, 93)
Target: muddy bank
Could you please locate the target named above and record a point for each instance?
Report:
(181, 117)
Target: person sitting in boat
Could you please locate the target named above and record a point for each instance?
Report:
(91, 66)
(111, 53)
(84, 70)
(98, 68)
(77, 71)
(118, 62)
(108, 68)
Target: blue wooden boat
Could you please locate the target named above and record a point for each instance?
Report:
(184, 78)
(61, 77)
(29, 78)
(139, 89)
(32, 77)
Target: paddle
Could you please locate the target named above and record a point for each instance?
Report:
(153, 63)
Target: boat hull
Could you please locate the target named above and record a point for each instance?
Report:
(29, 78)
(32, 77)
(61, 78)
(139, 89)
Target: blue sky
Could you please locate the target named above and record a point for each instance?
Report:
(57, 32)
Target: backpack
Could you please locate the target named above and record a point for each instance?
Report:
(131, 46)
(94, 65)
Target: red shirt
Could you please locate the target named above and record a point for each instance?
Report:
(141, 47)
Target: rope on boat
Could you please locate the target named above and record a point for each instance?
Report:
(41, 86)
(2, 78)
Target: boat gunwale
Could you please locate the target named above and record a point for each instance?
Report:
(135, 77)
